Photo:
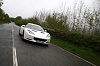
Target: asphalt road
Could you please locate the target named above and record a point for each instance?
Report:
(31, 54)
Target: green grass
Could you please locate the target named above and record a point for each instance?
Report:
(81, 51)
(4, 22)
(1, 22)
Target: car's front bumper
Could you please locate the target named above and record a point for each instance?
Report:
(33, 38)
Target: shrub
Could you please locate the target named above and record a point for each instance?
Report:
(77, 39)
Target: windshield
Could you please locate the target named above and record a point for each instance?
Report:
(34, 27)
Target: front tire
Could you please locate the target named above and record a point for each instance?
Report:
(19, 32)
(23, 36)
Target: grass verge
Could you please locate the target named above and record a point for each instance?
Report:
(1, 22)
(81, 51)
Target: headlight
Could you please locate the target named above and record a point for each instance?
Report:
(30, 32)
(48, 35)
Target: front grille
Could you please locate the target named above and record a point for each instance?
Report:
(39, 39)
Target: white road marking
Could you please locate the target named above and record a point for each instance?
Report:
(75, 55)
(15, 63)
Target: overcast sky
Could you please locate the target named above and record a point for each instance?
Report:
(27, 8)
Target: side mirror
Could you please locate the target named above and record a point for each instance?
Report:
(45, 30)
(23, 25)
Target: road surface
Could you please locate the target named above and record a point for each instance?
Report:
(16, 52)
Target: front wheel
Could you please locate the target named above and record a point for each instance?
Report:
(19, 32)
(23, 36)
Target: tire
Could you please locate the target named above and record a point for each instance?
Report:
(46, 44)
(23, 36)
(19, 32)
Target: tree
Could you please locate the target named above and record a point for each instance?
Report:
(12, 19)
(18, 18)
(1, 11)
(6, 18)
(1, 14)
(1, 4)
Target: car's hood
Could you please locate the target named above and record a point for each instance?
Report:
(39, 34)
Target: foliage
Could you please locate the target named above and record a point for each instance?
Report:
(80, 27)
(77, 39)
(13, 19)
(21, 21)
(81, 51)
(4, 17)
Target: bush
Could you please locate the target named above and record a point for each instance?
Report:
(77, 39)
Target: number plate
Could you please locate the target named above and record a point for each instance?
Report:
(39, 41)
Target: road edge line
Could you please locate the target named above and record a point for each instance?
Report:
(75, 55)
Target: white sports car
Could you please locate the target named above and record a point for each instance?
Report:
(34, 33)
